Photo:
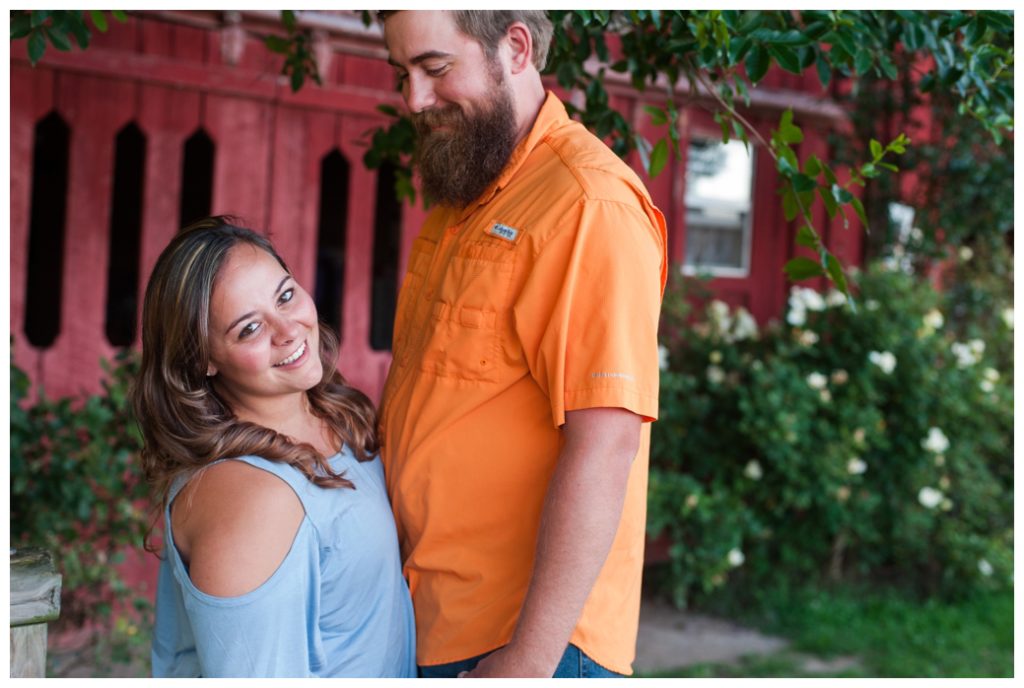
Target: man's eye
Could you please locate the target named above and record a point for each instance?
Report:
(437, 71)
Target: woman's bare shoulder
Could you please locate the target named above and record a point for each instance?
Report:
(234, 524)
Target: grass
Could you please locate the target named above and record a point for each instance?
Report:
(875, 633)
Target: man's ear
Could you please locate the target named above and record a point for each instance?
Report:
(520, 45)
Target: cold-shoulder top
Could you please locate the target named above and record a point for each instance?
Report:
(337, 605)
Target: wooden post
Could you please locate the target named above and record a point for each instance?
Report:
(35, 601)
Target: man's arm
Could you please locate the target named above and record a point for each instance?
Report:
(581, 515)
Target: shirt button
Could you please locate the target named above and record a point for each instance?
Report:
(453, 230)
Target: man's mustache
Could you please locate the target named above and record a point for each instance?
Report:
(428, 120)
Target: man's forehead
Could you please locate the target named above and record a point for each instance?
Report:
(412, 36)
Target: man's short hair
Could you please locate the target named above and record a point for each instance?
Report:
(488, 27)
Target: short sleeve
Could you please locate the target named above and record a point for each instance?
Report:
(268, 632)
(588, 313)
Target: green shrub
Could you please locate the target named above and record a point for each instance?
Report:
(814, 449)
(76, 490)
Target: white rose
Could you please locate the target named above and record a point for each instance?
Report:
(736, 558)
(813, 300)
(1007, 316)
(936, 442)
(964, 354)
(808, 337)
(859, 436)
(715, 375)
(753, 470)
(692, 501)
(840, 377)
(856, 466)
(929, 497)
(986, 386)
(817, 380)
(933, 319)
(843, 493)
(746, 326)
(884, 360)
(715, 356)
(662, 357)
(984, 567)
(966, 253)
(797, 317)
(826, 396)
(991, 374)
(871, 305)
(835, 298)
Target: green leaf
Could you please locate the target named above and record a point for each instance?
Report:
(119, 15)
(802, 183)
(812, 167)
(659, 157)
(288, 19)
(58, 39)
(841, 194)
(801, 268)
(39, 17)
(859, 209)
(808, 238)
(36, 46)
(790, 208)
(868, 170)
(757, 63)
(277, 44)
(876, 149)
(658, 115)
(835, 271)
(862, 61)
(389, 110)
(738, 50)
(21, 24)
(824, 71)
(81, 33)
(786, 57)
(789, 132)
(99, 20)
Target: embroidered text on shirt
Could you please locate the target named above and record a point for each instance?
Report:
(622, 375)
(504, 231)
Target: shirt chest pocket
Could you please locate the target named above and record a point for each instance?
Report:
(470, 314)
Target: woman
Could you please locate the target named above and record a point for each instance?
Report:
(280, 552)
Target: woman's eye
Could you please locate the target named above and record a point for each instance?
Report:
(286, 296)
(248, 330)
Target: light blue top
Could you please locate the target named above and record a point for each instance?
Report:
(337, 606)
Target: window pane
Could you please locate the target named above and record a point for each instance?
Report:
(719, 187)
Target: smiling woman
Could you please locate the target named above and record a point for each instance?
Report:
(262, 572)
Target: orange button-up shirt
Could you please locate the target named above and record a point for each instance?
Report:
(539, 298)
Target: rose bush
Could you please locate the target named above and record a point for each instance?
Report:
(870, 443)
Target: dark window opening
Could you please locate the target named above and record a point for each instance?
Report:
(331, 236)
(46, 231)
(125, 233)
(387, 235)
(196, 179)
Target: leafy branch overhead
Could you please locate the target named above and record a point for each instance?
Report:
(57, 27)
(697, 55)
(713, 59)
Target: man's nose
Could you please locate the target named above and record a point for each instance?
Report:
(419, 93)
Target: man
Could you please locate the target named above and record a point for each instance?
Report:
(514, 418)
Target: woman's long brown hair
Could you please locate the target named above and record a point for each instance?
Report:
(185, 424)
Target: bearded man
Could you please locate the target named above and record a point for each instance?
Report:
(515, 416)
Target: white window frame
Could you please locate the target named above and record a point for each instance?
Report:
(747, 229)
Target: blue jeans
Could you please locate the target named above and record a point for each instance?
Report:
(574, 664)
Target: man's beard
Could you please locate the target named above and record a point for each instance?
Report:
(457, 163)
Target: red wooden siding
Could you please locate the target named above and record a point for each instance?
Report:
(173, 79)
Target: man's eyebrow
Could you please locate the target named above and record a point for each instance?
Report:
(430, 54)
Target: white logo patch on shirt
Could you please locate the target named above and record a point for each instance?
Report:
(503, 231)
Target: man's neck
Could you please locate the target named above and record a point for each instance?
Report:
(529, 102)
